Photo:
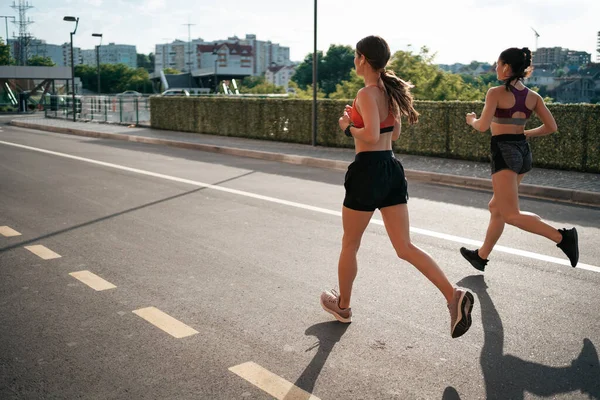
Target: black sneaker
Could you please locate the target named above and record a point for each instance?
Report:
(570, 245)
(473, 257)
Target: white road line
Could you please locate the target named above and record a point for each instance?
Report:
(273, 384)
(7, 231)
(42, 252)
(165, 322)
(92, 280)
(424, 232)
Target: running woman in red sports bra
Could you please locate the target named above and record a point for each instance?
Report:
(507, 109)
(375, 180)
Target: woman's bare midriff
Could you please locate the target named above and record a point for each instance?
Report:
(384, 143)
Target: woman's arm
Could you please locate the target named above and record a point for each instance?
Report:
(367, 106)
(397, 128)
(548, 123)
(483, 123)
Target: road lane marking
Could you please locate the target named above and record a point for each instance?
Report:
(8, 232)
(92, 280)
(270, 383)
(42, 252)
(165, 322)
(425, 232)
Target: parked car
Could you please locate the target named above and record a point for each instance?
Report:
(175, 92)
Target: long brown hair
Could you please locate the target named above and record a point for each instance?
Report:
(377, 53)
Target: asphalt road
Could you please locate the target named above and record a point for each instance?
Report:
(242, 263)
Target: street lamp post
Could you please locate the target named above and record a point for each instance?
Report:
(76, 20)
(98, 59)
(215, 52)
(314, 105)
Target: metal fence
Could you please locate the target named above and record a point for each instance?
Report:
(114, 109)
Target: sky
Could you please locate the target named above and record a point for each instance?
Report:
(456, 30)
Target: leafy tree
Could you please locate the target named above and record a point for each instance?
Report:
(299, 93)
(146, 62)
(40, 61)
(348, 89)
(250, 82)
(431, 82)
(4, 53)
(171, 71)
(333, 68)
(116, 78)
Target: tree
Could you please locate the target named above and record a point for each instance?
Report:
(146, 62)
(250, 82)
(348, 89)
(171, 71)
(116, 78)
(4, 53)
(40, 61)
(333, 68)
(304, 94)
(431, 82)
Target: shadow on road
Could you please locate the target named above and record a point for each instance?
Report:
(327, 334)
(509, 377)
(107, 217)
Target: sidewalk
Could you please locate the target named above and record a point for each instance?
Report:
(564, 186)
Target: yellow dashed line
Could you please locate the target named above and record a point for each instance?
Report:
(8, 232)
(270, 383)
(92, 280)
(165, 322)
(42, 252)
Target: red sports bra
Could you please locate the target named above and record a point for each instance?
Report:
(385, 126)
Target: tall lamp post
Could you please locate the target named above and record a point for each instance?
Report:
(314, 105)
(76, 20)
(98, 59)
(216, 52)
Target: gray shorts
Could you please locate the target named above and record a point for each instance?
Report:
(511, 152)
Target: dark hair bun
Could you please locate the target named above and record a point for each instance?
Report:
(527, 54)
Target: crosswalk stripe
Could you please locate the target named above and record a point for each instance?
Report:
(42, 252)
(273, 384)
(8, 232)
(92, 280)
(165, 322)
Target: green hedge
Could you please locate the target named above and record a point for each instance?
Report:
(441, 130)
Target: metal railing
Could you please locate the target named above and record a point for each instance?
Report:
(113, 109)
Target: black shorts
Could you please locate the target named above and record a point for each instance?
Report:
(511, 152)
(375, 180)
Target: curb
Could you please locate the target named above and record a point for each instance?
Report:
(579, 197)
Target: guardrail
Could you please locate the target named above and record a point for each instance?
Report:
(113, 109)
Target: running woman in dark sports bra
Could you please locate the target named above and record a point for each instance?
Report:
(506, 111)
(375, 180)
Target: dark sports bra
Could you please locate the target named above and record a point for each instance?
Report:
(385, 126)
(505, 115)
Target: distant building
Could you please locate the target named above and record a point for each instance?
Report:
(542, 77)
(557, 56)
(111, 54)
(186, 56)
(578, 90)
(280, 76)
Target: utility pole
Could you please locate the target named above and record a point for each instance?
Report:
(189, 54)
(24, 37)
(6, 17)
